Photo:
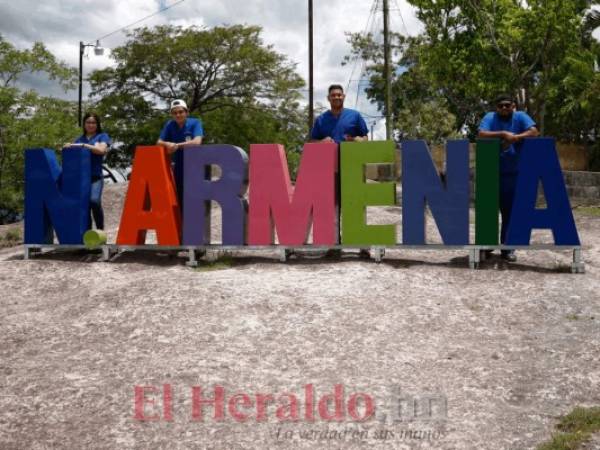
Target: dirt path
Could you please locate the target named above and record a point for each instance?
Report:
(498, 354)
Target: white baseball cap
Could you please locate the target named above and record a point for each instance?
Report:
(178, 103)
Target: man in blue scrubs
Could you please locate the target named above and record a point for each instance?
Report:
(337, 125)
(511, 127)
(178, 133)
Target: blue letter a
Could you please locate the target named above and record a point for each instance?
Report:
(539, 162)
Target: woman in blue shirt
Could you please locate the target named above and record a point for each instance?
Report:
(98, 143)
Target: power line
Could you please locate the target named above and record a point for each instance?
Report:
(360, 62)
(367, 27)
(401, 17)
(141, 20)
(361, 80)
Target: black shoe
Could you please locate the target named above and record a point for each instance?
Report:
(364, 254)
(509, 256)
(333, 253)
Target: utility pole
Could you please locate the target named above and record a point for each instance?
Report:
(81, 49)
(387, 68)
(311, 112)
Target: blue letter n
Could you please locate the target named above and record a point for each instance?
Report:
(57, 198)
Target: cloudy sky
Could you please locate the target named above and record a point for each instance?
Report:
(61, 24)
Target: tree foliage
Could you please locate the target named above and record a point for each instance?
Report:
(243, 90)
(14, 62)
(28, 120)
(430, 121)
(205, 66)
(541, 51)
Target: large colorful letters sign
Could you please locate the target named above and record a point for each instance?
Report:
(59, 198)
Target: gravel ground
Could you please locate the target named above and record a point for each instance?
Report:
(452, 358)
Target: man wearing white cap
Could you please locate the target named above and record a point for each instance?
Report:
(177, 133)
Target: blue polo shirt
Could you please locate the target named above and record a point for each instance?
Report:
(518, 123)
(96, 159)
(348, 122)
(171, 132)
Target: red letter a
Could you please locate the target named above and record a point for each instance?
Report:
(151, 202)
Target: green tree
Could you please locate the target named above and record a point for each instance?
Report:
(430, 121)
(541, 51)
(244, 91)
(14, 62)
(27, 119)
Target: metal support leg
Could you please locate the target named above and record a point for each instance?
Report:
(578, 265)
(474, 258)
(105, 253)
(483, 255)
(30, 251)
(378, 254)
(283, 254)
(192, 261)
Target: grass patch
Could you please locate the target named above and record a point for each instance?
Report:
(575, 317)
(574, 429)
(589, 210)
(221, 263)
(10, 238)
